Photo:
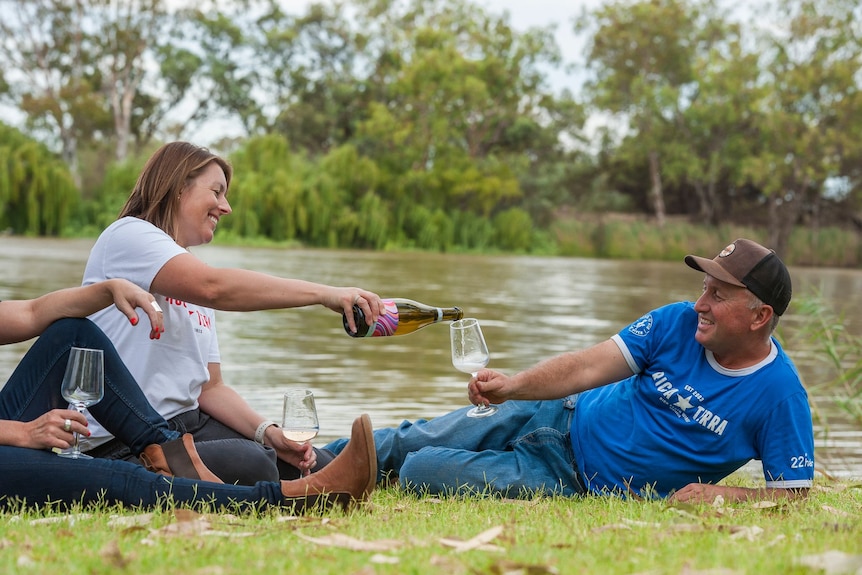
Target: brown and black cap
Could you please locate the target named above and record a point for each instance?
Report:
(747, 264)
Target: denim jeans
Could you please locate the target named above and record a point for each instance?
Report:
(39, 477)
(524, 449)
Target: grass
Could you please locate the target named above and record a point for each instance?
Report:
(397, 533)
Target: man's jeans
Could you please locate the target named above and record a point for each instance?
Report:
(524, 449)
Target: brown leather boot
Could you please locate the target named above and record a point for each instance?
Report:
(348, 478)
(177, 458)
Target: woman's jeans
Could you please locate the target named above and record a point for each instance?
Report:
(522, 450)
(40, 477)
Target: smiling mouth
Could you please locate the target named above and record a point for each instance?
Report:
(214, 220)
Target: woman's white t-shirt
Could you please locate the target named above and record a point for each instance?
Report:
(172, 369)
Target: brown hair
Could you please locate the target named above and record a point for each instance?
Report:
(166, 174)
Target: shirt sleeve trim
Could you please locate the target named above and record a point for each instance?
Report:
(793, 484)
(626, 353)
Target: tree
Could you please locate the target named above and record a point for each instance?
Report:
(643, 57)
(48, 58)
(810, 130)
(460, 106)
(37, 194)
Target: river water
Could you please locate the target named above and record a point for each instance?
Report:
(530, 308)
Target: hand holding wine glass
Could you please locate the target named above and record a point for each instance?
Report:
(299, 420)
(470, 354)
(83, 385)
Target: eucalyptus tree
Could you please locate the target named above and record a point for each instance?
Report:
(809, 135)
(643, 57)
(310, 69)
(716, 128)
(460, 105)
(48, 57)
(75, 68)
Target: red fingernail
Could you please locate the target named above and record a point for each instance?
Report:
(134, 321)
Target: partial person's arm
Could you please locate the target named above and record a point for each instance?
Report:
(706, 493)
(222, 402)
(24, 319)
(187, 278)
(553, 378)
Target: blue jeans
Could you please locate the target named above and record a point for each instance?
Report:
(40, 477)
(522, 450)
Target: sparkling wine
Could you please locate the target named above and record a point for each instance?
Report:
(402, 316)
(299, 435)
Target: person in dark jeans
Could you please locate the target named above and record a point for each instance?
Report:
(34, 420)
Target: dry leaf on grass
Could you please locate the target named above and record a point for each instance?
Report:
(113, 556)
(749, 532)
(833, 562)
(70, 519)
(765, 504)
(130, 520)
(689, 570)
(347, 542)
(480, 541)
(190, 524)
(834, 511)
(384, 559)
(512, 568)
(610, 527)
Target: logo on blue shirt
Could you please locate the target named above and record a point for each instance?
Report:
(642, 326)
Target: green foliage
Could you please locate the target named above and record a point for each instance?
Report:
(514, 230)
(840, 356)
(37, 193)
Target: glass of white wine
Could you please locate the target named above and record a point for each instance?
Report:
(83, 385)
(299, 421)
(470, 354)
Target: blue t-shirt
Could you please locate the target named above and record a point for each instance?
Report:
(683, 418)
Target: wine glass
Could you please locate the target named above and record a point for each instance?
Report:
(470, 354)
(299, 421)
(83, 385)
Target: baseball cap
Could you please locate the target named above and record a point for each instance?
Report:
(747, 264)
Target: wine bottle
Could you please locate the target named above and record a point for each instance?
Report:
(402, 316)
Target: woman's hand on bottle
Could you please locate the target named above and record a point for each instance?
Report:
(342, 300)
(49, 430)
(128, 297)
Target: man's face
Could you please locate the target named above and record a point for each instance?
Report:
(725, 316)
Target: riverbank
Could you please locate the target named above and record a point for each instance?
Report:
(616, 236)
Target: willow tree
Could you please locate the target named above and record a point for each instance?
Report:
(37, 193)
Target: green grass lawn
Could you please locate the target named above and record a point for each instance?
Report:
(396, 533)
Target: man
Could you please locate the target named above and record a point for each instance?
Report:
(668, 406)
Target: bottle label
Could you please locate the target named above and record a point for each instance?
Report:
(386, 324)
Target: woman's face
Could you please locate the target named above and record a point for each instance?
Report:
(202, 204)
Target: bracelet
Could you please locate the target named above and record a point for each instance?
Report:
(260, 434)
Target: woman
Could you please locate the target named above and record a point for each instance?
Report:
(176, 204)
(32, 423)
